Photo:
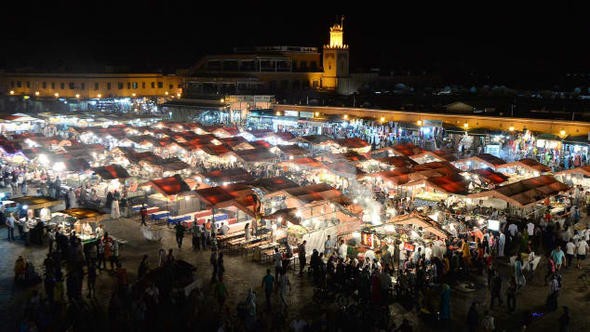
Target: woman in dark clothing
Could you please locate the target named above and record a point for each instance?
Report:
(220, 267)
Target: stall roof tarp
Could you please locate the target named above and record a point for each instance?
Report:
(316, 139)
(85, 214)
(491, 176)
(352, 143)
(237, 174)
(407, 149)
(397, 176)
(173, 164)
(452, 184)
(352, 156)
(285, 136)
(530, 164)
(582, 170)
(215, 150)
(77, 164)
(443, 168)
(36, 202)
(488, 159)
(214, 195)
(172, 185)
(111, 172)
(398, 161)
(344, 169)
(233, 141)
(314, 192)
(293, 150)
(256, 155)
(424, 222)
(526, 192)
(304, 162)
(274, 184)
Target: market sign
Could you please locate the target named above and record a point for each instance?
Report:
(292, 113)
(309, 115)
(408, 246)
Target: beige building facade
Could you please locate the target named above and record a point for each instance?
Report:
(88, 85)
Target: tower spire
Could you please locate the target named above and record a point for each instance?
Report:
(342, 22)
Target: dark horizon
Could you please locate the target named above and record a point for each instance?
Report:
(499, 39)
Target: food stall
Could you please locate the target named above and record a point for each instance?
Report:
(82, 221)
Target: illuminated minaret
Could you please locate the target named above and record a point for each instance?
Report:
(335, 60)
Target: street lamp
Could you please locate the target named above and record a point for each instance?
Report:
(37, 93)
(511, 128)
(99, 95)
(77, 95)
(562, 133)
(166, 93)
(419, 123)
(56, 95)
(382, 119)
(11, 92)
(466, 125)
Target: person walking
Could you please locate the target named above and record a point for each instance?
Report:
(268, 282)
(213, 261)
(196, 235)
(511, 295)
(558, 257)
(564, 320)
(221, 293)
(554, 288)
(328, 247)
(518, 273)
(488, 322)
(91, 279)
(496, 289)
(161, 257)
(473, 318)
(582, 251)
(179, 234)
(284, 284)
(143, 268)
(143, 213)
(278, 263)
(301, 253)
(115, 212)
(220, 265)
(100, 254)
(10, 224)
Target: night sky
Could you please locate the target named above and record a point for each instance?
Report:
(483, 36)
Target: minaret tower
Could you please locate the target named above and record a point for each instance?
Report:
(335, 59)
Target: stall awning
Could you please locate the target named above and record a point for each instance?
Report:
(228, 175)
(89, 215)
(490, 176)
(111, 172)
(407, 149)
(427, 224)
(274, 184)
(172, 185)
(526, 192)
(36, 202)
(530, 164)
(256, 155)
(352, 143)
